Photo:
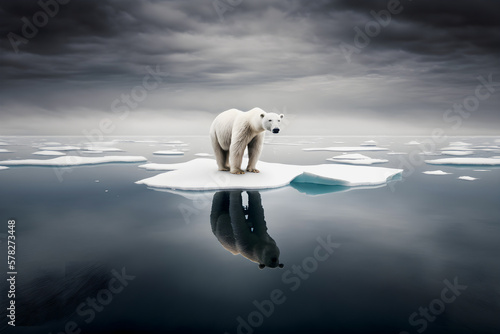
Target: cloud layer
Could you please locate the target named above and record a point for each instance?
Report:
(350, 67)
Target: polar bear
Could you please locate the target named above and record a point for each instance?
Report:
(243, 230)
(233, 130)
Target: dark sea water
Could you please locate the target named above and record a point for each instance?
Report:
(420, 255)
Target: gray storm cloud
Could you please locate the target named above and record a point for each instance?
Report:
(362, 67)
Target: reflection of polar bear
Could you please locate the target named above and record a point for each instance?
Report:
(241, 235)
(233, 130)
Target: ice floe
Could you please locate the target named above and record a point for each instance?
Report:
(72, 161)
(169, 152)
(356, 159)
(2, 143)
(482, 170)
(436, 172)
(203, 154)
(465, 161)
(457, 153)
(51, 153)
(396, 153)
(413, 142)
(346, 148)
(202, 175)
(60, 148)
(369, 143)
(459, 143)
(3, 167)
(456, 148)
(467, 178)
(103, 149)
(2, 150)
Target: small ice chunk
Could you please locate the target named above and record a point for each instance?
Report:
(52, 153)
(60, 148)
(174, 142)
(482, 170)
(346, 148)
(457, 153)
(459, 143)
(436, 172)
(169, 152)
(413, 142)
(396, 153)
(465, 161)
(456, 148)
(106, 190)
(203, 154)
(96, 181)
(103, 149)
(3, 167)
(369, 143)
(202, 175)
(72, 161)
(91, 152)
(2, 150)
(467, 178)
(2, 143)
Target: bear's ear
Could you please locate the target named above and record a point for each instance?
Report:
(281, 115)
(262, 115)
(281, 265)
(262, 266)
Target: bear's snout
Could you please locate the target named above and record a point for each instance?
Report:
(276, 130)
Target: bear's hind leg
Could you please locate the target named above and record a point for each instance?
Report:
(221, 156)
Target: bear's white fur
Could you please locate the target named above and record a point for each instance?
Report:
(233, 130)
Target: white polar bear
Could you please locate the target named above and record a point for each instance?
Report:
(233, 130)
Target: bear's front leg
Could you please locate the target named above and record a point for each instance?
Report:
(236, 158)
(254, 149)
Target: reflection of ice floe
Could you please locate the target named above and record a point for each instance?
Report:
(356, 159)
(465, 161)
(2, 150)
(436, 172)
(467, 178)
(72, 161)
(169, 152)
(51, 153)
(202, 174)
(346, 148)
(457, 153)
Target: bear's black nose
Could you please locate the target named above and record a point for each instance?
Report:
(274, 259)
(276, 130)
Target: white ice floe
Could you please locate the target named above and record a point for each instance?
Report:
(459, 143)
(60, 148)
(413, 142)
(456, 148)
(356, 159)
(2, 150)
(482, 170)
(203, 154)
(3, 167)
(169, 152)
(91, 152)
(72, 161)
(369, 143)
(467, 178)
(202, 175)
(174, 142)
(103, 149)
(465, 161)
(436, 172)
(52, 153)
(346, 148)
(457, 153)
(396, 153)
(2, 143)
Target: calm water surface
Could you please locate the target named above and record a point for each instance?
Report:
(97, 253)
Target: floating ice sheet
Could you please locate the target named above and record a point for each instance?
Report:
(51, 153)
(60, 148)
(72, 161)
(436, 172)
(169, 152)
(2, 150)
(202, 175)
(346, 148)
(356, 159)
(465, 161)
(103, 149)
(3, 167)
(467, 178)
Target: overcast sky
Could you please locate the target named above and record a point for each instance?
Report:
(340, 67)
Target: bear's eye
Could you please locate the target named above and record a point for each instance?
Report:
(270, 120)
(279, 120)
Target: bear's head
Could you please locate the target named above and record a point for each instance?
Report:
(271, 121)
(270, 257)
